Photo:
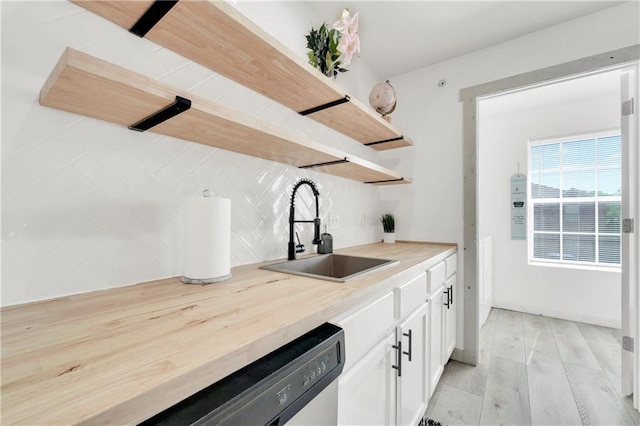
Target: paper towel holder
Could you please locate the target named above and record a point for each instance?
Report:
(206, 278)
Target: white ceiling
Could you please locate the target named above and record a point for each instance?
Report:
(572, 90)
(401, 36)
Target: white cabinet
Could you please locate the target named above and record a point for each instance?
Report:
(449, 319)
(450, 308)
(367, 392)
(411, 332)
(396, 348)
(385, 379)
(436, 277)
(435, 344)
(412, 377)
(441, 339)
(364, 328)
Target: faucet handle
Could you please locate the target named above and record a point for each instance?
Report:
(299, 246)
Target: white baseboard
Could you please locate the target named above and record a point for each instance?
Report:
(588, 319)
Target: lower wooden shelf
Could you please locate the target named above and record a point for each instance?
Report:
(89, 86)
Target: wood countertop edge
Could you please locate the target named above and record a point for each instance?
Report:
(148, 402)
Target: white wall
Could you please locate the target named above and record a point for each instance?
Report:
(432, 208)
(89, 205)
(581, 295)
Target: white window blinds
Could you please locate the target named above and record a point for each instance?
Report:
(574, 200)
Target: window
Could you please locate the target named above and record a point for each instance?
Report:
(574, 199)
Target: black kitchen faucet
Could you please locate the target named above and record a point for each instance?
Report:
(292, 221)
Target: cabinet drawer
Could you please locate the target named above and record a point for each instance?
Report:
(451, 263)
(436, 277)
(410, 295)
(365, 327)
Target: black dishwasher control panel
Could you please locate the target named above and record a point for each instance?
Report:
(268, 391)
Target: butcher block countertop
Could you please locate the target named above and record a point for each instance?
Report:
(121, 355)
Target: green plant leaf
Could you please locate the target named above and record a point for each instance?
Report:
(388, 222)
(323, 51)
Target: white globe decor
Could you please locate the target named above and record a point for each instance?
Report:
(383, 99)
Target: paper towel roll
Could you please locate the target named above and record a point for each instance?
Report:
(207, 240)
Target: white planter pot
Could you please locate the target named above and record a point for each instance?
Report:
(389, 237)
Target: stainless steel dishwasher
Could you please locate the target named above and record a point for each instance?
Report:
(269, 391)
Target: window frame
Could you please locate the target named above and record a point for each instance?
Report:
(562, 200)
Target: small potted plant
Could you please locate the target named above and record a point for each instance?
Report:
(389, 227)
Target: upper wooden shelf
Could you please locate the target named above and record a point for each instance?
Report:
(89, 86)
(217, 36)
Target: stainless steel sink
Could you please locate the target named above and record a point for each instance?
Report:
(332, 267)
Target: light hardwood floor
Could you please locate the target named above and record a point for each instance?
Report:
(536, 370)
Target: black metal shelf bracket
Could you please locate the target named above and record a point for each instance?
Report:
(325, 106)
(384, 141)
(387, 180)
(179, 106)
(152, 16)
(328, 163)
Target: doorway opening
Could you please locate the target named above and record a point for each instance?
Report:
(560, 146)
(622, 57)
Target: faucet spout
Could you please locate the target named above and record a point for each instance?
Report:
(293, 221)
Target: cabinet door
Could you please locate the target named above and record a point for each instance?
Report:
(411, 295)
(449, 319)
(436, 277)
(436, 304)
(366, 327)
(367, 392)
(412, 382)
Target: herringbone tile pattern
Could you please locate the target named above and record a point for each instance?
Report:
(88, 205)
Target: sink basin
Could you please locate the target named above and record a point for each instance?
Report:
(332, 267)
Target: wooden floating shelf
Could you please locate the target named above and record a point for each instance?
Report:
(89, 86)
(217, 36)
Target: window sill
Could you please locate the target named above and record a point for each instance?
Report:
(581, 266)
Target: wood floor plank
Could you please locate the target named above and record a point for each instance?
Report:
(506, 400)
(486, 342)
(617, 334)
(509, 321)
(455, 407)
(570, 375)
(610, 359)
(535, 321)
(550, 395)
(598, 403)
(577, 353)
(493, 315)
(433, 401)
(572, 346)
(537, 328)
(508, 345)
(627, 401)
(466, 377)
(565, 328)
(532, 333)
(541, 348)
(596, 333)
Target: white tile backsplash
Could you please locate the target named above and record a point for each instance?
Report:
(89, 205)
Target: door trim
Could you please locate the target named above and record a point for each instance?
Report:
(469, 97)
(630, 240)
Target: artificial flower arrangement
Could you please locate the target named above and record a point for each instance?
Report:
(331, 49)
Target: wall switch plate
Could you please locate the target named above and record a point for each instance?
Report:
(334, 221)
